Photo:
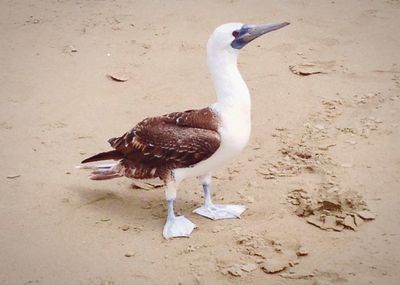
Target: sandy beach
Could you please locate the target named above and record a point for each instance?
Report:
(320, 176)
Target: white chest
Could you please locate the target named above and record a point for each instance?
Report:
(235, 130)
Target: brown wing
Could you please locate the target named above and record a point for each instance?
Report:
(157, 145)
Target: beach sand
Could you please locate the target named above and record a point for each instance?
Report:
(334, 131)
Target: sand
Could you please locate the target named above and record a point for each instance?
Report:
(336, 130)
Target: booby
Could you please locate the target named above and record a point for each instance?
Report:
(194, 143)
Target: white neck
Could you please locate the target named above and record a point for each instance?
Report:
(231, 90)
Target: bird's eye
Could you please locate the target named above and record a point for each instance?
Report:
(235, 33)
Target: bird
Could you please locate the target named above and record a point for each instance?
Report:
(194, 143)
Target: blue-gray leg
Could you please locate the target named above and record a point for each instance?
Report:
(171, 212)
(207, 194)
(215, 211)
(175, 226)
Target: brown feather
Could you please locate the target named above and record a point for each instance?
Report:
(157, 145)
(113, 154)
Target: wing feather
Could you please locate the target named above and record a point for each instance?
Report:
(176, 140)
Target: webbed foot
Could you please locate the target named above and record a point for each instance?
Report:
(218, 212)
(178, 227)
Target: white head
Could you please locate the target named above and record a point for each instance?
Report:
(222, 52)
(232, 37)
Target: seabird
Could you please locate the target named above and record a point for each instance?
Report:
(194, 143)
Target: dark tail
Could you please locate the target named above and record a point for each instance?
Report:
(114, 155)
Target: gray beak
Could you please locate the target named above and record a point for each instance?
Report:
(249, 32)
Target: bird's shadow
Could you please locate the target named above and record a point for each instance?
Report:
(125, 203)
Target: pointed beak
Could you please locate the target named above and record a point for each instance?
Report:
(249, 33)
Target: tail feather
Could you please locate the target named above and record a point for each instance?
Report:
(113, 154)
(104, 176)
(104, 171)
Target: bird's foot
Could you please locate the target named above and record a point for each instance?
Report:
(178, 227)
(218, 212)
